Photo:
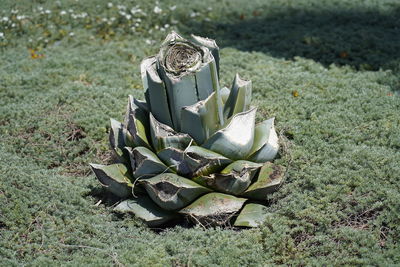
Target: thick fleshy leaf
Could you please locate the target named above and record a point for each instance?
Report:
(132, 161)
(252, 215)
(239, 97)
(234, 179)
(224, 91)
(177, 160)
(209, 161)
(144, 66)
(119, 138)
(173, 192)
(163, 136)
(207, 77)
(201, 120)
(268, 181)
(145, 209)
(115, 178)
(146, 164)
(211, 45)
(181, 92)
(193, 161)
(136, 121)
(266, 145)
(236, 139)
(142, 104)
(156, 92)
(213, 208)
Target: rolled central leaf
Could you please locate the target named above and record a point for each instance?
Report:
(181, 57)
(189, 73)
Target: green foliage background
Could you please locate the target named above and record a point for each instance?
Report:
(329, 71)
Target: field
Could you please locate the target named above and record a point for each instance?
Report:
(329, 71)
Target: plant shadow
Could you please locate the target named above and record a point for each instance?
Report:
(363, 39)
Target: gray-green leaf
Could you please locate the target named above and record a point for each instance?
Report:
(201, 120)
(252, 215)
(155, 91)
(137, 123)
(239, 97)
(211, 45)
(163, 136)
(266, 145)
(146, 163)
(119, 138)
(213, 208)
(236, 139)
(173, 192)
(145, 209)
(115, 177)
(234, 179)
(193, 161)
(268, 181)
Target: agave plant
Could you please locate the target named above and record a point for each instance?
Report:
(192, 149)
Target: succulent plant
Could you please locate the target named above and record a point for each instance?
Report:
(192, 149)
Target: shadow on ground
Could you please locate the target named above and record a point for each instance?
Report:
(364, 39)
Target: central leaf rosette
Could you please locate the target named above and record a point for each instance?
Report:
(186, 73)
(192, 148)
(182, 57)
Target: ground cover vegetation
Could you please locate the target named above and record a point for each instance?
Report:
(328, 71)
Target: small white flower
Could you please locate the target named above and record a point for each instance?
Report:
(121, 7)
(209, 8)
(47, 11)
(133, 29)
(104, 19)
(21, 17)
(112, 19)
(1, 35)
(110, 5)
(135, 10)
(70, 10)
(193, 14)
(128, 17)
(5, 19)
(71, 34)
(172, 8)
(157, 10)
(14, 11)
(166, 26)
(62, 13)
(13, 25)
(148, 42)
(39, 8)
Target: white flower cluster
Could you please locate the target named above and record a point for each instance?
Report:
(129, 18)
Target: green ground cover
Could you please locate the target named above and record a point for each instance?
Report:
(329, 71)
